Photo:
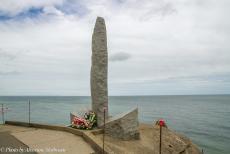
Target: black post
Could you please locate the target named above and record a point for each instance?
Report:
(3, 121)
(202, 151)
(29, 112)
(160, 139)
(104, 134)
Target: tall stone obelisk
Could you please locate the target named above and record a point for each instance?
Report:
(99, 71)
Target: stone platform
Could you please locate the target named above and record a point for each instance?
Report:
(43, 140)
(147, 144)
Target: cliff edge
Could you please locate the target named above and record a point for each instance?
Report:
(172, 142)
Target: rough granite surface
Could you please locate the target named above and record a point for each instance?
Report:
(99, 71)
(124, 126)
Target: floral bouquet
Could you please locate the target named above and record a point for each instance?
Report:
(87, 122)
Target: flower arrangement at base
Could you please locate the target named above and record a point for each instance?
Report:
(87, 122)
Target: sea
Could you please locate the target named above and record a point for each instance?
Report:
(205, 119)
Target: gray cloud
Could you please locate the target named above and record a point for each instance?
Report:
(161, 10)
(120, 56)
(11, 54)
(3, 73)
(6, 55)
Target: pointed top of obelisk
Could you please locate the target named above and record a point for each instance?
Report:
(100, 18)
(100, 25)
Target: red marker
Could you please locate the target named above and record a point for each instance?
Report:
(161, 122)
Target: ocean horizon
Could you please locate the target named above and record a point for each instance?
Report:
(202, 118)
(111, 95)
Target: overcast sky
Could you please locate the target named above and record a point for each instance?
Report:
(156, 47)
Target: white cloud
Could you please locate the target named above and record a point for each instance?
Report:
(51, 10)
(13, 7)
(165, 40)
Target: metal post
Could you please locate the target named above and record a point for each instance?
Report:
(160, 139)
(161, 123)
(3, 121)
(202, 151)
(104, 134)
(29, 112)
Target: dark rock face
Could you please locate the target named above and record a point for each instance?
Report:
(99, 71)
(124, 126)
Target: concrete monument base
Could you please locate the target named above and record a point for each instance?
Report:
(124, 126)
